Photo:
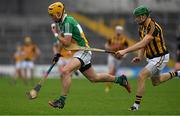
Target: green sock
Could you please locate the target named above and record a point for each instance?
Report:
(118, 80)
(63, 98)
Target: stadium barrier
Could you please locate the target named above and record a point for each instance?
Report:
(131, 72)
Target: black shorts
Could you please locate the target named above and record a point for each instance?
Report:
(84, 67)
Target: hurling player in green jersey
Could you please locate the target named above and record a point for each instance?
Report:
(68, 31)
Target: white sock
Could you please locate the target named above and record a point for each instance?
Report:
(136, 105)
(178, 73)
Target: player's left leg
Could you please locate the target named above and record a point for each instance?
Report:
(143, 76)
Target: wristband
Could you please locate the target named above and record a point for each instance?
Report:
(56, 34)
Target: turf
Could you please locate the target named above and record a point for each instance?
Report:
(87, 98)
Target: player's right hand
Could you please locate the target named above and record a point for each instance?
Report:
(56, 57)
(136, 60)
(119, 54)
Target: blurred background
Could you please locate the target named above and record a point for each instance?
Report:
(21, 18)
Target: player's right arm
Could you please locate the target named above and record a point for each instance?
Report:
(141, 53)
(57, 46)
(66, 37)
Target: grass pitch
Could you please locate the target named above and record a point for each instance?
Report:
(87, 98)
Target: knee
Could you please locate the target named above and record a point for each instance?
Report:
(65, 72)
(93, 80)
(141, 77)
(155, 82)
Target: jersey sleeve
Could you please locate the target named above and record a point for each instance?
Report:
(68, 28)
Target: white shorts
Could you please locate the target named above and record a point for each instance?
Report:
(155, 65)
(85, 56)
(112, 61)
(63, 61)
(28, 64)
(18, 65)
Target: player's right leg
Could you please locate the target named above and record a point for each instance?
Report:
(84, 57)
(91, 75)
(155, 70)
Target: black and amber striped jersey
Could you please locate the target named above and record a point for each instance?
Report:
(29, 51)
(157, 46)
(120, 41)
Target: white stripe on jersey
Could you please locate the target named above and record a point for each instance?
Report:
(67, 27)
(80, 28)
(67, 33)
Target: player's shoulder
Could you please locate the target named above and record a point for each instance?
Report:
(70, 19)
(151, 24)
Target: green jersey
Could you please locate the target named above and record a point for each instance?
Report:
(70, 26)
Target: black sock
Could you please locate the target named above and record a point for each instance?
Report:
(173, 74)
(138, 99)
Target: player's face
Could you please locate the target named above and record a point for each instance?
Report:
(140, 19)
(56, 17)
(118, 32)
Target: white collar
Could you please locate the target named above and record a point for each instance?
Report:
(64, 16)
